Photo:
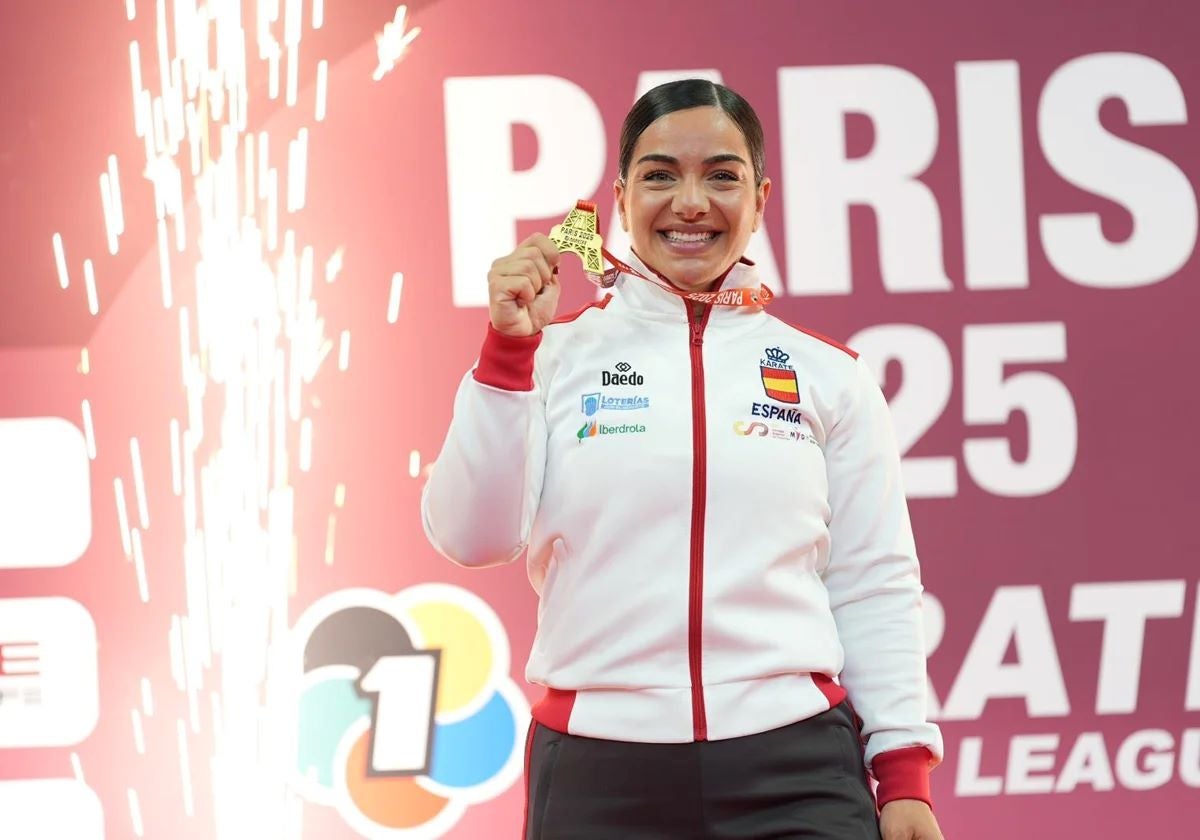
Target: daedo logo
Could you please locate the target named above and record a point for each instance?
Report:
(407, 713)
(625, 375)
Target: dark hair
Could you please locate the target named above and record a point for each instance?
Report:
(691, 93)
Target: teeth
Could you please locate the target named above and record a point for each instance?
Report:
(680, 236)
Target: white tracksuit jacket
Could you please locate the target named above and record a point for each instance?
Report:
(714, 521)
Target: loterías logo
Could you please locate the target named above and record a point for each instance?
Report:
(407, 713)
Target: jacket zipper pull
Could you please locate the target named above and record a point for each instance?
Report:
(697, 325)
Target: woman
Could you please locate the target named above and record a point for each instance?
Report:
(711, 504)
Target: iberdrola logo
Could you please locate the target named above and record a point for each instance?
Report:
(407, 714)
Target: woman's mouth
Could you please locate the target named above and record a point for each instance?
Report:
(688, 241)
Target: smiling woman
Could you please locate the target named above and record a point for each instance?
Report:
(691, 188)
(715, 589)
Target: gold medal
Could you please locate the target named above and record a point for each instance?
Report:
(578, 234)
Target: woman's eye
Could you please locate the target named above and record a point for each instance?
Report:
(725, 175)
(657, 175)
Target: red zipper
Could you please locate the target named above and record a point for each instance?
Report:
(699, 496)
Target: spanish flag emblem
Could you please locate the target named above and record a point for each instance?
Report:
(780, 384)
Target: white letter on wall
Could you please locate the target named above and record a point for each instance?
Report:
(1124, 608)
(1152, 188)
(1016, 614)
(820, 183)
(486, 196)
(992, 167)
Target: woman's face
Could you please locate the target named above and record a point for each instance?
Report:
(689, 202)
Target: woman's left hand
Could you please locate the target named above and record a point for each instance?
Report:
(908, 819)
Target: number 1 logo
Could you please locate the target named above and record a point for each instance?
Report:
(407, 714)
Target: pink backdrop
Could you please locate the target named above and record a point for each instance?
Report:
(1020, 184)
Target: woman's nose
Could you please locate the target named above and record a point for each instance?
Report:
(690, 199)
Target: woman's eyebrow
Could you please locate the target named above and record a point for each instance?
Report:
(726, 157)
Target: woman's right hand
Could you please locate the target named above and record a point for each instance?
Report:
(523, 288)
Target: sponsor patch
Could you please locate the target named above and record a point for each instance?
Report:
(592, 403)
(775, 431)
(624, 375)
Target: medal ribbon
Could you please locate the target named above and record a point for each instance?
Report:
(579, 234)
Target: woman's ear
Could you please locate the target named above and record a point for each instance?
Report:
(760, 201)
(619, 195)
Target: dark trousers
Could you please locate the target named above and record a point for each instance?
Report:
(805, 780)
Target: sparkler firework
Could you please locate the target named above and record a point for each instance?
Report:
(251, 341)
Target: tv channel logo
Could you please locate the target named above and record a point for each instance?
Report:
(407, 714)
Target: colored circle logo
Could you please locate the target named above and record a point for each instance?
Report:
(407, 714)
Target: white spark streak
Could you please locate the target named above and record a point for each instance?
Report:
(256, 341)
(158, 122)
(322, 85)
(135, 809)
(139, 483)
(393, 311)
(139, 566)
(392, 43)
(135, 77)
(273, 74)
(414, 464)
(114, 183)
(130, 9)
(339, 496)
(333, 266)
(60, 261)
(185, 769)
(293, 20)
(306, 444)
(139, 735)
(164, 64)
(122, 517)
(344, 351)
(329, 538)
(77, 767)
(85, 363)
(89, 433)
(110, 215)
(147, 698)
(89, 282)
(176, 459)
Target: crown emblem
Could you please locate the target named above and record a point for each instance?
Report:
(777, 355)
(624, 367)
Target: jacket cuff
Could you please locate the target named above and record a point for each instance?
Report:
(506, 362)
(903, 774)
